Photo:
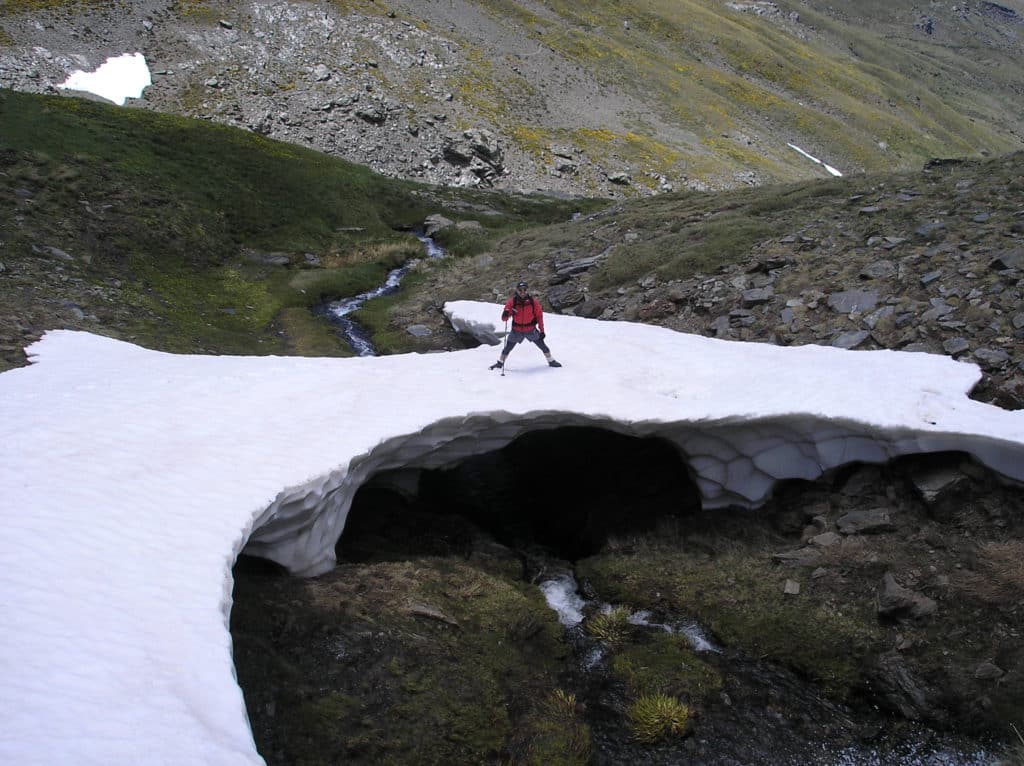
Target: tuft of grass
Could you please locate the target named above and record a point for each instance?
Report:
(611, 626)
(554, 734)
(655, 717)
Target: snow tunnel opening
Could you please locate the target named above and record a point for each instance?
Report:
(565, 490)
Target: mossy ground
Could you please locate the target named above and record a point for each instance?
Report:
(430, 661)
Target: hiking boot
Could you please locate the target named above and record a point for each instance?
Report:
(554, 363)
(496, 366)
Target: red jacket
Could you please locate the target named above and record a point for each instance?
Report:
(527, 315)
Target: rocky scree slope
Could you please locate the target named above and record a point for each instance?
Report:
(931, 261)
(604, 100)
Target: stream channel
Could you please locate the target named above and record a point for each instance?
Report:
(338, 311)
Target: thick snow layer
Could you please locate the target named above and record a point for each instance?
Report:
(130, 480)
(117, 79)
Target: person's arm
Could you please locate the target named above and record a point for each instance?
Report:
(509, 311)
(539, 313)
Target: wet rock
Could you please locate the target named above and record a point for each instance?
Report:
(435, 223)
(902, 690)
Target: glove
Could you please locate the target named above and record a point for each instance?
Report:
(543, 335)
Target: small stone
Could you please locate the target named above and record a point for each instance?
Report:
(988, 671)
(825, 540)
(956, 346)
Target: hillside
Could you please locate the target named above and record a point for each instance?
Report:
(602, 99)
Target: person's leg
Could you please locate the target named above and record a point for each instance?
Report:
(510, 343)
(539, 341)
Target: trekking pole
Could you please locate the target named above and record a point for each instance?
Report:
(506, 341)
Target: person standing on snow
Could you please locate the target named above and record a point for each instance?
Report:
(527, 324)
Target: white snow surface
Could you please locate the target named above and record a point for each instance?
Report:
(117, 79)
(131, 479)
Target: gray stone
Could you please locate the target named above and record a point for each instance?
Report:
(419, 330)
(564, 295)
(872, 319)
(825, 540)
(848, 301)
(930, 231)
(988, 671)
(435, 223)
(935, 485)
(956, 346)
(897, 602)
(879, 270)
(757, 296)
(799, 557)
(991, 357)
(850, 339)
(1008, 259)
(865, 522)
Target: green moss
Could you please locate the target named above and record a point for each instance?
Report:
(665, 664)
(442, 663)
(739, 599)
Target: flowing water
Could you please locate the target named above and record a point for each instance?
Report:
(338, 311)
